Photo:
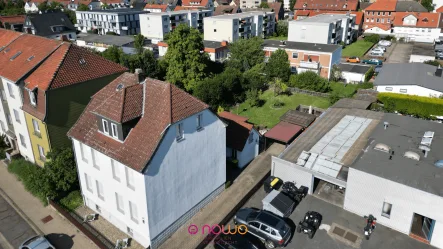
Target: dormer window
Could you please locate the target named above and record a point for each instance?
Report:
(114, 130)
(105, 127)
(32, 98)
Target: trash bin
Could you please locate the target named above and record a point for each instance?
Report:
(271, 183)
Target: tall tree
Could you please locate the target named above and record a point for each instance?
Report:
(113, 53)
(186, 63)
(61, 169)
(82, 7)
(264, 5)
(292, 4)
(246, 53)
(255, 78)
(336, 73)
(428, 4)
(71, 15)
(278, 65)
(139, 41)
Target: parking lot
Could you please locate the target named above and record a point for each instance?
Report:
(399, 53)
(329, 237)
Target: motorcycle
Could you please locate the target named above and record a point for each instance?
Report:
(370, 225)
(296, 194)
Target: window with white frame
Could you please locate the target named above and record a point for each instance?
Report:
(83, 152)
(88, 183)
(388, 88)
(2, 125)
(114, 130)
(199, 121)
(17, 116)
(294, 55)
(115, 170)
(94, 159)
(133, 211)
(35, 125)
(41, 152)
(403, 90)
(105, 126)
(130, 178)
(100, 191)
(10, 90)
(119, 202)
(32, 97)
(179, 131)
(22, 139)
(8, 119)
(386, 211)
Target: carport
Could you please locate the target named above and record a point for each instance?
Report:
(283, 133)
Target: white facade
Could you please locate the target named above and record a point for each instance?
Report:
(420, 58)
(247, 4)
(416, 34)
(409, 89)
(31, 7)
(249, 152)
(376, 30)
(156, 25)
(364, 199)
(181, 177)
(121, 22)
(351, 77)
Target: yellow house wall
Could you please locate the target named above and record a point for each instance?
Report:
(43, 140)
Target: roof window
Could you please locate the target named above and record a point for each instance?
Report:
(16, 55)
(82, 61)
(30, 58)
(382, 147)
(412, 155)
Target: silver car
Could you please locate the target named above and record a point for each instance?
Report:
(37, 242)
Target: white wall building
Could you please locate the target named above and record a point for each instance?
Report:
(329, 29)
(417, 27)
(245, 25)
(246, 4)
(31, 7)
(156, 25)
(119, 21)
(353, 73)
(410, 78)
(161, 172)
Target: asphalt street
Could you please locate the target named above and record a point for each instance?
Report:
(12, 226)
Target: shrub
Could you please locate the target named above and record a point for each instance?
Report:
(111, 33)
(309, 81)
(252, 97)
(369, 74)
(72, 201)
(372, 38)
(422, 107)
(277, 103)
(366, 85)
(433, 63)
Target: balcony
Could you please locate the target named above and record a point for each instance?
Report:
(124, 27)
(310, 64)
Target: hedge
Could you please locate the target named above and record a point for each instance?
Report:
(422, 107)
(72, 201)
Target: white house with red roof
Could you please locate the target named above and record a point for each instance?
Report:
(202, 4)
(149, 156)
(417, 26)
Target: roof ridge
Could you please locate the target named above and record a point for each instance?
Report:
(61, 62)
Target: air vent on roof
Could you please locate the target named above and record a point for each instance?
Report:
(119, 87)
(30, 58)
(382, 147)
(16, 55)
(412, 155)
(82, 61)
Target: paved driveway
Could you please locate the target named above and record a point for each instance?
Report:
(399, 53)
(12, 226)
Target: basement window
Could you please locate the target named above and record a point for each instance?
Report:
(386, 211)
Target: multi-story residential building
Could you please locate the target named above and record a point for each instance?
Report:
(200, 4)
(54, 25)
(155, 26)
(149, 156)
(52, 104)
(275, 7)
(303, 57)
(337, 5)
(217, 51)
(74, 4)
(232, 27)
(119, 21)
(358, 27)
(152, 8)
(103, 42)
(417, 26)
(244, 4)
(330, 29)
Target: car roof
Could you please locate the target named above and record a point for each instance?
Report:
(37, 242)
(268, 219)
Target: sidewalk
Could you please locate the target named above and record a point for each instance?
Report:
(63, 234)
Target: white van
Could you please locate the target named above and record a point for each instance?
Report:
(376, 53)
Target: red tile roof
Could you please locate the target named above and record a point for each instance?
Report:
(424, 19)
(162, 7)
(164, 104)
(439, 10)
(284, 132)
(226, 9)
(196, 3)
(340, 5)
(384, 26)
(13, 19)
(358, 14)
(276, 7)
(7, 36)
(186, 8)
(382, 5)
(238, 130)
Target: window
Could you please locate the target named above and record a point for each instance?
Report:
(389, 13)
(133, 212)
(2, 125)
(388, 21)
(388, 88)
(41, 151)
(105, 126)
(17, 116)
(254, 224)
(293, 69)
(114, 130)
(382, 20)
(378, 13)
(367, 19)
(403, 90)
(251, 137)
(32, 98)
(180, 132)
(199, 121)
(3, 95)
(8, 119)
(10, 90)
(265, 228)
(115, 170)
(119, 202)
(386, 211)
(22, 139)
(372, 19)
(294, 55)
(82, 153)
(35, 124)
(215, 30)
(88, 183)
(130, 178)
(100, 193)
(378, 20)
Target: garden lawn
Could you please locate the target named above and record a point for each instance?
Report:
(278, 38)
(269, 116)
(344, 90)
(357, 48)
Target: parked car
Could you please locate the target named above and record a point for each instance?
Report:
(377, 49)
(439, 56)
(373, 62)
(237, 241)
(37, 242)
(353, 59)
(268, 227)
(381, 48)
(376, 53)
(385, 43)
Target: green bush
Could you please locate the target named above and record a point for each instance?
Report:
(277, 103)
(111, 33)
(372, 38)
(422, 107)
(72, 201)
(369, 74)
(309, 81)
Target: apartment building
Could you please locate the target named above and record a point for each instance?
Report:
(315, 57)
(54, 25)
(152, 8)
(149, 156)
(119, 21)
(417, 26)
(358, 27)
(334, 5)
(244, 4)
(239, 26)
(156, 25)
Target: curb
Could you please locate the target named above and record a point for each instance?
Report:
(4, 243)
(20, 212)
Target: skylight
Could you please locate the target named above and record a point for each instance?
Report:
(30, 58)
(7, 50)
(16, 55)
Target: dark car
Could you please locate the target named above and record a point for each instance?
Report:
(237, 241)
(268, 227)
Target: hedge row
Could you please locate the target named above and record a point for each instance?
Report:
(422, 107)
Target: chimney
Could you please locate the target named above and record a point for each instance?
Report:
(439, 71)
(140, 75)
(224, 43)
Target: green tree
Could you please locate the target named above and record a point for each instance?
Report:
(114, 54)
(309, 81)
(282, 28)
(71, 15)
(149, 64)
(55, 6)
(428, 5)
(264, 5)
(139, 41)
(369, 74)
(186, 63)
(374, 38)
(60, 168)
(336, 73)
(252, 97)
(433, 63)
(279, 86)
(292, 4)
(246, 53)
(278, 65)
(43, 6)
(82, 7)
(255, 78)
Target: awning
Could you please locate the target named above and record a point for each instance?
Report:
(284, 132)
